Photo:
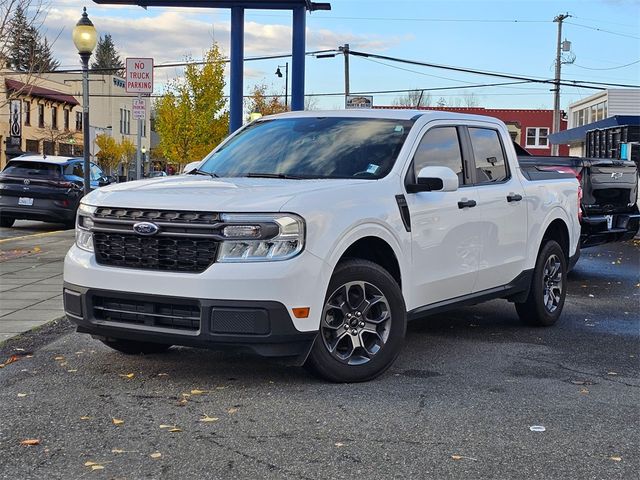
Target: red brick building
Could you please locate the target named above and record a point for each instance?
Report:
(529, 128)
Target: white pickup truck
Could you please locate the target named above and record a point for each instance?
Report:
(318, 235)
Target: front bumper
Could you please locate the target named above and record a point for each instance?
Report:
(617, 227)
(263, 327)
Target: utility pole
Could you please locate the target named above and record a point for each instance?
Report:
(345, 51)
(556, 91)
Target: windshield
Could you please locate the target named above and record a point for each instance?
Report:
(31, 168)
(311, 148)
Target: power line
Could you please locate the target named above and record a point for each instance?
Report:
(602, 30)
(608, 68)
(491, 74)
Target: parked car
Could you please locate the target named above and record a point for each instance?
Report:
(156, 174)
(34, 187)
(317, 235)
(609, 210)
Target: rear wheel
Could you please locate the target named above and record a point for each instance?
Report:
(548, 287)
(7, 222)
(363, 324)
(131, 347)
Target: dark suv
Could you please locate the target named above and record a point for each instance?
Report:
(33, 187)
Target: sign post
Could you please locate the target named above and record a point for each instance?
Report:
(139, 79)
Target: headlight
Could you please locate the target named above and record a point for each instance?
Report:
(260, 238)
(84, 237)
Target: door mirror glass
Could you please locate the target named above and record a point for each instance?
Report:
(435, 179)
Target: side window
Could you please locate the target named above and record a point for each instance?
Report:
(489, 156)
(440, 147)
(96, 173)
(74, 169)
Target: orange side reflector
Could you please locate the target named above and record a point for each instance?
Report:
(302, 312)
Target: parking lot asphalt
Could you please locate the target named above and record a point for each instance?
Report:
(459, 402)
(28, 227)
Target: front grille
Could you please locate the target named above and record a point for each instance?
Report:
(141, 215)
(173, 254)
(185, 316)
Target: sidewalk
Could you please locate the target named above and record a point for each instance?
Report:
(31, 281)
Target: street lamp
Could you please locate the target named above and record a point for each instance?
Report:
(85, 38)
(286, 83)
(143, 150)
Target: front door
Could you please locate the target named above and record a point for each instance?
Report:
(445, 237)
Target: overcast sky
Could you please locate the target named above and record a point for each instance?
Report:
(506, 36)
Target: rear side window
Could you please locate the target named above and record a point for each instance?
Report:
(76, 169)
(489, 156)
(28, 169)
(440, 147)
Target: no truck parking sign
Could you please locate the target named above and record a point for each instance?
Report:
(139, 78)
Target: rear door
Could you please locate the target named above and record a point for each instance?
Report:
(445, 236)
(501, 208)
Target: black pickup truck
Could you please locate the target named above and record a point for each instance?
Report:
(609, 193)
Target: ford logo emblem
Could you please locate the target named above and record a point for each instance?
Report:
(145, 228)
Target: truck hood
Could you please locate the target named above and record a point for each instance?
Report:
(191, 192)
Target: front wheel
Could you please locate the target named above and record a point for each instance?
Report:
(363, 324)
(548, 287)
(131, 347)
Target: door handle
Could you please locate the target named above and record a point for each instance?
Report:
(514, 197)
(466, 203)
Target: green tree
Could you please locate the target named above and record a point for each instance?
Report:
(191, 117)
(127, 153)
(107, 57)
(26, 49)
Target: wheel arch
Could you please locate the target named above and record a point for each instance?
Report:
(559, 231)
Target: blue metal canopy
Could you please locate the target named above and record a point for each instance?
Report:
(236, 83)
(579, 134)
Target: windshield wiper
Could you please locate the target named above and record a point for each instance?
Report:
(275, 175)
(197, 171)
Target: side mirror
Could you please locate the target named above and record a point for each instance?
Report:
(104, 181)
(435, 179)
(190, 167)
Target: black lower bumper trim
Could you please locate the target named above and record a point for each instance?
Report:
(596, 230)
(58, 215)
(260, 326)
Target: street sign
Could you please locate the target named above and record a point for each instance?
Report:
(139, 75)
(139, 109)
(359, 101)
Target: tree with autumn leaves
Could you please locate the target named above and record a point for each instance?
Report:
(191, 117)
(113, 153)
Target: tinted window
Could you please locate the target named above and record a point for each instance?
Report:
(24, 168)
(312, 148)
(75, 169)
(96, 173)
(489, 156)
(440, 147)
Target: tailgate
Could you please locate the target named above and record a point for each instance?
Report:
(610, 187)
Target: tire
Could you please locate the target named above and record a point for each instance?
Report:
(7, 222)
(131, 347)
(548, 288)
(364, 297)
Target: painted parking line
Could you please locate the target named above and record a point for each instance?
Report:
(33, 235)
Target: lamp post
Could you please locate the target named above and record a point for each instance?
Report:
(286, 83)
(85, 38)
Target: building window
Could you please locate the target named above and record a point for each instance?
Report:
(32, 146)
(78, 121)
(49, 148)
(65, 149)
(65, 119)
(27, 112)
(125, 121)
(40, 116)
(128, 121)
(54, 118)
(538, 137)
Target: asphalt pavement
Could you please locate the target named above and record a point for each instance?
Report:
(29, 227)
(460, 402)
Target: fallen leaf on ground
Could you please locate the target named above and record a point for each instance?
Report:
(163, 374)
(339, 444)
(97, 467)
(615, 459)
(30, 441)
(11, 359)
(207, 419)
(73, 370)
(167, 426)
(460, 457)
(117, 450)
(85, 418)
(127, 375)
(584, 390)
(232, 410)
(89, 464)
(183, 402)
(117, 421)
(198, 392)
(22, 395)
(58, 358)
(156, 455)
(176, 429)
(611, 373)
